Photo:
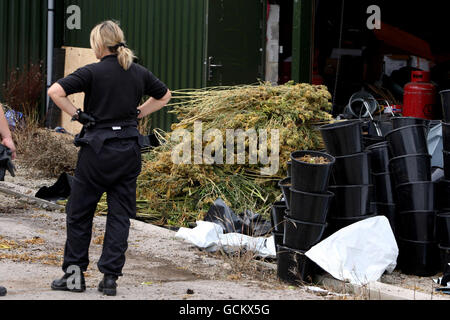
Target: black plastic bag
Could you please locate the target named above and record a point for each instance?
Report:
(59, 191)
(5, 162)
(247, 223)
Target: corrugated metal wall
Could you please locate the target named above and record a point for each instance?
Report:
(166, 35)
(23, 25)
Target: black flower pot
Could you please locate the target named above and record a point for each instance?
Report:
(442, 194)
(307, 177)
(278, 215)
(444, 261)
(379, 154)
(310, 207)
(336, 224)
(417, 226)
(446, 164)
(302, 235)
(446, 135)
(415, 196)
(278, 237)
(445, 98)
(443, 228)
(401, 122)
(418, 258)
(411, 168)
(408, 140)
(389, 211)
(285, 186)
(343, 138)
(369, 140)
(352, 170)
(384, 188)
(351, 201)
(294, 267)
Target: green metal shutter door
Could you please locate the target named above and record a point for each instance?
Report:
(166, 35)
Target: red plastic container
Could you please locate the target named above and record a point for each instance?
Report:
(420, 96)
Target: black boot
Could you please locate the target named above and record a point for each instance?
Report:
(61, 284)
(108, 285)
(3, 291)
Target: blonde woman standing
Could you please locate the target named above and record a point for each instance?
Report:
(109, 159)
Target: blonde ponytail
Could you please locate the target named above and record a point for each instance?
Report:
(109, 35)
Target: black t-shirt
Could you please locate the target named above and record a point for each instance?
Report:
(112, 93)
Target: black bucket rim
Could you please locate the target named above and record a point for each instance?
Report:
(378, 145)
(352, 186)
(318, 153)
(280, 234)
(410, 156)
(404, 128)
(444, 91)
(411, 183)
(290, 249)
(328, 194)
(384, 204)
(418, 212)
(388, 173)
(419, 242)
(360, 218)
(443, 248)
(288, 218)
(278, 204)
(339, 124)
(443, 214)
(353, 155)
(412, 118)
(284, 179)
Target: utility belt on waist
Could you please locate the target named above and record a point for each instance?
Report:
(114, 125)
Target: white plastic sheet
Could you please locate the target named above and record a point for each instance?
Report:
(210, 237)
(359, 253)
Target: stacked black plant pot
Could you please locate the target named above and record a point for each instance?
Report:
(384, 200)
(415, 228)
(351, 177)
(306, 216)
(443, 193)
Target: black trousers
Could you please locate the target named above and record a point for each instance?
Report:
(114, 170)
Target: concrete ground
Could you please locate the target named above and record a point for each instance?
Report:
(158, 267)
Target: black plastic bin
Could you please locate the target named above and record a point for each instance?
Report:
(442, 194)
(446, 164)
(310, 207)
(285, 186)
(415, 196)
(336, 224)
(351, 201)
(417, 226)
(278, 237)
(370, 140)
(401, 122)
(343, 138)
(445, 98)
(307, 177)
(389, 211)
(278, 215)
(443, 228)
(446, 136)
(301, 235)
(384, 188)
(352, 170)
(408, 140)
(418, 258)
(294, 267)
(411, 168)
(379, 157)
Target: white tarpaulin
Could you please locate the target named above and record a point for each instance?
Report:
(359, 253)
(210, 237)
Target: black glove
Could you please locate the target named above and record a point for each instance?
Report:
(83, 118)
(5, 162)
